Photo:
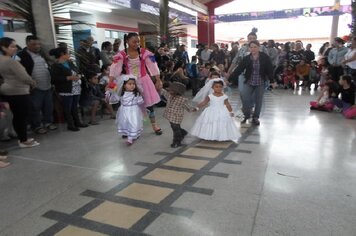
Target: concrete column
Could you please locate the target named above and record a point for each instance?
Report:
(44, 23)
(334, 25)
(353, 7)
(211, 27)
(203, 29)
(206, 28)
(163, 20)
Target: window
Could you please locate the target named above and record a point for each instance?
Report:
(15, 26)
(194, 43)
(20, 26)
(112, 34)
(107, 34)
(6, 25)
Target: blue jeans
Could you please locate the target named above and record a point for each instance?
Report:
(252, 95)
(42, 107)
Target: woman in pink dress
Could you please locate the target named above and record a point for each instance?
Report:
(135, 60)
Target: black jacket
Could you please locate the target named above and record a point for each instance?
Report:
(246, 65)
(59, 75)
(27, 61)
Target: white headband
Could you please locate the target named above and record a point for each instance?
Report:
(127, 77)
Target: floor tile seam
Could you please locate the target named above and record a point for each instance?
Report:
(53, 229)
(94, 203)
(60, 164)
(145, 221)
(213, 148)
(70, 219)
(196, 157)
(261, 191)
(243, 151)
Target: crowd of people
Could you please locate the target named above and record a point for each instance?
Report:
(39, 88)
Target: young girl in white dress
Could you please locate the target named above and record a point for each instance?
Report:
(216, 122)
(129, 118)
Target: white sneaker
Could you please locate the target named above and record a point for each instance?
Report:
(28, 144)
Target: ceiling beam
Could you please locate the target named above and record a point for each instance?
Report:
(193, 5)
(217, 3)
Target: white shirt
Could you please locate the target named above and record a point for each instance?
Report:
(350, 53)
(205, 55)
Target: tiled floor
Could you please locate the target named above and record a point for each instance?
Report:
(293, 175)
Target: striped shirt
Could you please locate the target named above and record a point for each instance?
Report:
(40, 72)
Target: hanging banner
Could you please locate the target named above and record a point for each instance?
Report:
(288, 13)
(153, 8)
(1, 28)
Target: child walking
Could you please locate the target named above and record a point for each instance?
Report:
(176, 104)
(216, 122)
(129, 118)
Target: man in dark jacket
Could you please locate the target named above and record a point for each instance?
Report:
(86, 58)
(36, 64)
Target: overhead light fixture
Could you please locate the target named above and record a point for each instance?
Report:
(95, 6)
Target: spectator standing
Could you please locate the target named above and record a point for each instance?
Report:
(272, 52)
(67, 81)
(162, 59)
(181, 54)
(116, 46)
(309, 54)
(198, 53)
(335, 59)
(233, 52)
(323, 49)
(205, 55)
(16, 90)
(93, 50)
(106, 53)
(218, 56)
(297, 54)
(86, 59)
(350, 60)
(36, 65)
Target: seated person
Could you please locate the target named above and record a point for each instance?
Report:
(96, 98)
(302, 73)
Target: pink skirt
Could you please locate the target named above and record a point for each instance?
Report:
(150, 94)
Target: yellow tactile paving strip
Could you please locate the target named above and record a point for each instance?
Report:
(187, 163)
(168, 176)
(75, 231)
(213, 144)
(202, 152)
(144, 192)
(116, 214)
